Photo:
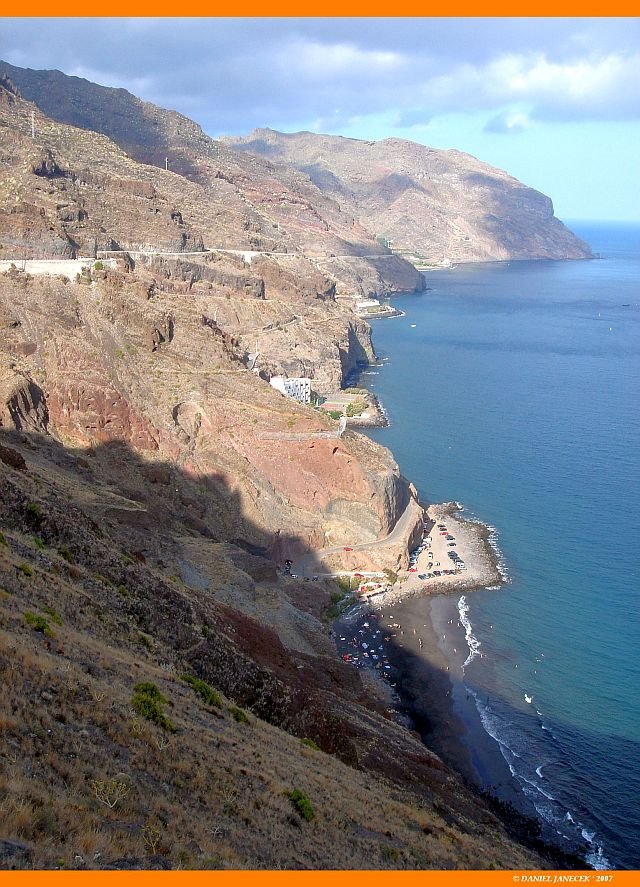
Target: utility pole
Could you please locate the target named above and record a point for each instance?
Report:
(166, 163)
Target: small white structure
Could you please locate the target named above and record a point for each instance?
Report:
(298, 389)
(252, 361)
(367, 303)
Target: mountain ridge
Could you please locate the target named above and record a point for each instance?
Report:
(431, 204)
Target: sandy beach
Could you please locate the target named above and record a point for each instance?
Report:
(460, 547)
(411, 637)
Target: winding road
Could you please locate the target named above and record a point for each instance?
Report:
(309, 563)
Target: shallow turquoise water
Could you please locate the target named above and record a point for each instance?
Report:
(517, 394)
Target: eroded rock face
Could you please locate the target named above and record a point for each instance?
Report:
(120, 358)
(88, 412)
(22, 404)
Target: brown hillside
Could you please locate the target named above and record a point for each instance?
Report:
(430, 204)
(211, 195)
(91, 778)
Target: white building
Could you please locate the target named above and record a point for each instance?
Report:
(367, 303)
(299, 389)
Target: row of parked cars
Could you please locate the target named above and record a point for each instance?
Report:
(458, 563)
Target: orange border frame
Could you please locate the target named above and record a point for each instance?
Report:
(331, 8)
(317, 878)
(326, 9)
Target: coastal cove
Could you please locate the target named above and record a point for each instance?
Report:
(510, 388)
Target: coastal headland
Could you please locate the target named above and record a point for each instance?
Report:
(433, 549)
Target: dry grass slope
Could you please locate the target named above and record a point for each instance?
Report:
(86, 781)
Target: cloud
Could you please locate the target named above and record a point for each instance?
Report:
(607, 87)
(603, 88)
(411, 118)
(509, 122)
(322, 61)
(234, 74)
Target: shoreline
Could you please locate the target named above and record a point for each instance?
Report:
(432, 645)
(480, 560)
(410, 660)
(411, 650)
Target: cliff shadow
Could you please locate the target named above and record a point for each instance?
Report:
(164, 514)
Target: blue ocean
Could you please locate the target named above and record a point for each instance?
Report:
(514, 389)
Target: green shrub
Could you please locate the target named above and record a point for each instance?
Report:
(238, 714)
(335, 414)
(98, 266)
(55, 616)
(208, 694)
(3, 539)
(105, 579)
(310, 743)
(38, 623)
(26, 569)
(338, 598)
(33, 514)
(148, 701)
(391, 576)
(388, 853)
(65, 554)
(346, 583)
(37, 541)
(301, 803)
(355, 409)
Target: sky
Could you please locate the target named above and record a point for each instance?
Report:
(555, 102)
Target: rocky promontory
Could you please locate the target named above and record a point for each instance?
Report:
(429, 205)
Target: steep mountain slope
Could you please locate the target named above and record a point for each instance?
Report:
(430, 204)
(97, 771)
(232, 200)
(155, 351)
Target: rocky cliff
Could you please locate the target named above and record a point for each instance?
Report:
(431, 204)
(210, 195)
(138, 356)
